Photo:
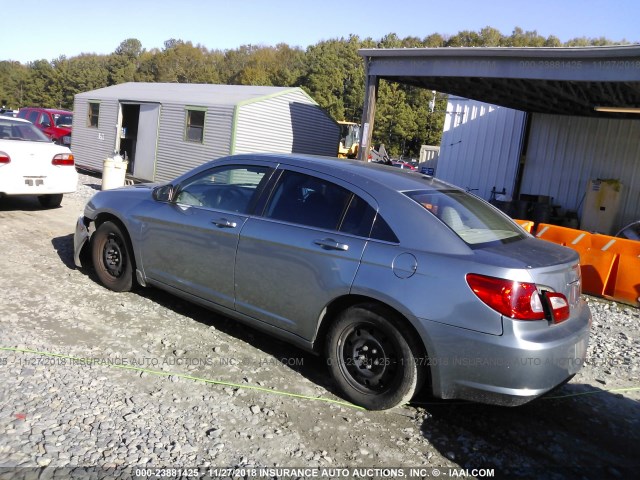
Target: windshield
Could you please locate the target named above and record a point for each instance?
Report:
(65, 120)
(471, 218)
(14, 130)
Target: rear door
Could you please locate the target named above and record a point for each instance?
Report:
(190, 243)
(294, 259)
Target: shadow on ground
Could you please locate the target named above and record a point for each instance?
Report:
(577, 431)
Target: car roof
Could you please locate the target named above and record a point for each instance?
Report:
(50, 110)
(15, 119)
(357, 171)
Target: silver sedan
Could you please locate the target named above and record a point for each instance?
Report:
(400, 280)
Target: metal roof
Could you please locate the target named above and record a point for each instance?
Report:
(566, 81)
(185, 93)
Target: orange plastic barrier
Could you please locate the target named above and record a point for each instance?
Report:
(610, 266)
(626, 272)
(597, 268)
(569, 237)
(527, 225)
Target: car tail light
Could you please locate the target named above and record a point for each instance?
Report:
(63, 159)
(559, 306)
(4, 158)
(518, 300)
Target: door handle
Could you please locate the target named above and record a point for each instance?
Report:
(224, 223)
(331, 244)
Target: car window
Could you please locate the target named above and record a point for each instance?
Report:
(472, 219)
(362, 220)
(44, 120)
(308, 200)
(13, 130)
(64, 120)
(229, 188)
(32, 116)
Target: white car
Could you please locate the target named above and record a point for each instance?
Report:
(30, 164)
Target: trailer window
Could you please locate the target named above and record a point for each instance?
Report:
(94, 113)
(194, 131)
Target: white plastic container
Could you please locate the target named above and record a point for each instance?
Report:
(114, 171)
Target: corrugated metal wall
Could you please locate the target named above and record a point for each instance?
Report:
(284, 124)
(175, 156)
(480, 146)
(564, 153)
(90, 146)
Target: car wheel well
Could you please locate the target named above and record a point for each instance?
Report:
(342, 303)
(107, 217)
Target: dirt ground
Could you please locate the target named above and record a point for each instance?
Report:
(253, 400)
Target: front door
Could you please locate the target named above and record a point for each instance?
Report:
(190, 243)
(146, 142)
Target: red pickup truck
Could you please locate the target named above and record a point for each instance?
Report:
(56, 124)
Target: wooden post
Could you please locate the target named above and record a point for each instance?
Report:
(368, 114)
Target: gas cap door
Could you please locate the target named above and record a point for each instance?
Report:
(404, 265)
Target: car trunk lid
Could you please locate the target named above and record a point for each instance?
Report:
(32, 159)
(550, 266)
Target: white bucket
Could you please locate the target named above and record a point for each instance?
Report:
(113, 173)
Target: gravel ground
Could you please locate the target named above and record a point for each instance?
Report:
(145, 379)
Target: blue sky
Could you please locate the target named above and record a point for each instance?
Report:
(46, 30)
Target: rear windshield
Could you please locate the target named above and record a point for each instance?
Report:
(471, 218)
(15, 130)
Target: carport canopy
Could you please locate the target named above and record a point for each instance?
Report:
(581, 81)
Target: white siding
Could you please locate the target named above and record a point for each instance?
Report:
(90, 146)
(289, 123)
(565, 152)
(480, 146)
(175, 155)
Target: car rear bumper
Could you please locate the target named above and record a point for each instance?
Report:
(511, 369)
(40, 185)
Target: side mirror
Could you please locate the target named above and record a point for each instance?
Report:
(163, 193)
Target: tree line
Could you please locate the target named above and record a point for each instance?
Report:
(331, 72)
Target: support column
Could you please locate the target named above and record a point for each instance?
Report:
(368, 114)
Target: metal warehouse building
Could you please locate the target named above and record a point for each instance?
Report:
(540, 122)
(166, 129)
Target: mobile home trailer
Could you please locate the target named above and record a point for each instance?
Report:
(165, 129)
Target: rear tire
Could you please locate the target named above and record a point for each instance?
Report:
(112, 258)
(51, 200)
(372, 357)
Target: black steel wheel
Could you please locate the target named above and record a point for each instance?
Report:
(372, 358)
(112, 258)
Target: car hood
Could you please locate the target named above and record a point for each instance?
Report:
(120, 199)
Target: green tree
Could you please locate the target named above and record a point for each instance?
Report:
(123, 64)
(13, 77)
(490, 37)
(335, 77)
(520, 38)
(40, 88)
(465, 38)
(395, 118)
(182, 62)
